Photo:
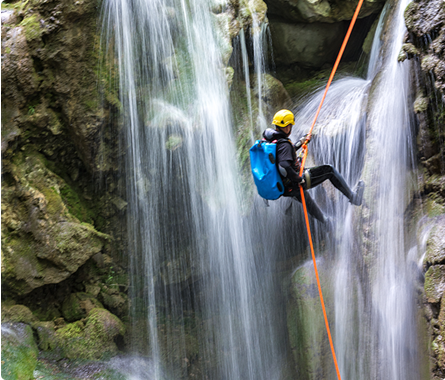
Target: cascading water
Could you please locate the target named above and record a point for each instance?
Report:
(203, 287)
(195, 288)
(374, 304)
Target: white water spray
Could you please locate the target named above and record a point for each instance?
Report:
(195, 288)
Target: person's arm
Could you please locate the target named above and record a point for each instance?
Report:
(285, 160)
(291, 173)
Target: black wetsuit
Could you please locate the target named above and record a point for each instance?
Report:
(287, 159)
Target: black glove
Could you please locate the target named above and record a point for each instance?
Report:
(300, 142)
(300, 180)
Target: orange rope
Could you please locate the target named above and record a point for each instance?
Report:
(303, 201)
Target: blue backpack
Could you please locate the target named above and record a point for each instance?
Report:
(265, 170)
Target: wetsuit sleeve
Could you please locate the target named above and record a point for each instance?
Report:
(285, 158)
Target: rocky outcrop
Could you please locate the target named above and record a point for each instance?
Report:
(42, 241)
(49, 85)
(60, 231)
(320, 10)
(307, 332)
(92, 338)
(424, 44)
(310, 45)
(307, 35)
(434, 264)
(425, 21)
(54, 107)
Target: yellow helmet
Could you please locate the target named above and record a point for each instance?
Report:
(283, 118)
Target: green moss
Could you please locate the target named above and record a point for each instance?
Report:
(410, 12)
(71, 330)
(75, 206)
(434, 282)
(19, 353)
(17, 313)
(76, 306)
(32, 27)
(92, 104)
(107, 73)
(92, 340)
(23, 249)
(54, 204)
(434, 205)
(46, 335)
(297, 89)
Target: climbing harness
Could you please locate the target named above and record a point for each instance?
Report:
(303, 201)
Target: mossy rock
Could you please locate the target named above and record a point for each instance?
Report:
(42, 241)
(435, 283)
(46, 334)
(17, 313)
(32, 27)
(19, 352)
(77, 306)
(307, 333)
(93, 339)
(435, 251)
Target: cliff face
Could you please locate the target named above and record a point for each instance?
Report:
(425, 44)
(53, 143)
(60, 235)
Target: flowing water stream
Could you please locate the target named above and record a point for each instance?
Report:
(202, 273)
(375, 309)
(195, 289)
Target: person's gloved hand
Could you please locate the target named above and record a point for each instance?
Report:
(300, 180)
(300, 142)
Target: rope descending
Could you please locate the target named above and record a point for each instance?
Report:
(303, 201)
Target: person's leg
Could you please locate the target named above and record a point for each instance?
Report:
(312, 207)
(319, 174)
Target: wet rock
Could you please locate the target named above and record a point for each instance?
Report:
(77, 305)
(425, 23)
(320, 10)
(93, 339)
(435, 283)
(16, 314)
(435, 253)
(305, 323)
(115, 301)
(439, 342)
(119, 203)
(422, 17)
(42, 242)
(46, 334)
(310, 45)
(273, 93)
(19, 351)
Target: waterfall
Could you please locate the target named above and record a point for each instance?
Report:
(205, 274)
(366, 131)
(197, 300)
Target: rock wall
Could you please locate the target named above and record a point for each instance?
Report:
(61, 199)
(425, 45)
(307, 35)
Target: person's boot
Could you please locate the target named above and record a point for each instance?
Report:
(357, 195)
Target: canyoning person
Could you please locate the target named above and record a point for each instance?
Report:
(289, 167)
